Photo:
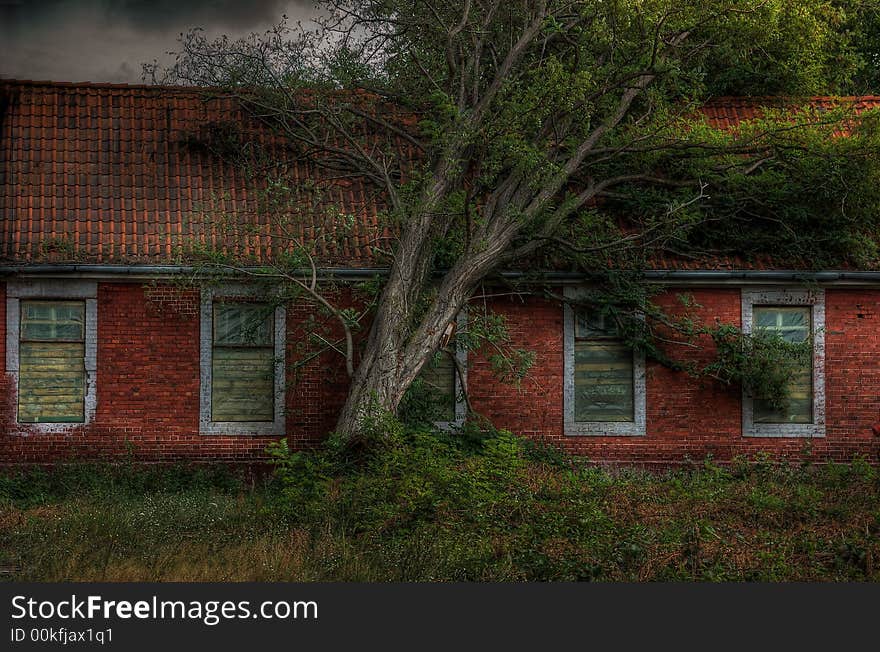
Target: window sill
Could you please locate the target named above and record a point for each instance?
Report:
(47, 427)
(242, 428)
(790, 430)
(604, 429)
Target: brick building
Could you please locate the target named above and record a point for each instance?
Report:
(104, 355)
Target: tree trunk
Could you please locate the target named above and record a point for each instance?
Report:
(381, 380)
(399, 345)
(397, 349)
(378, 383)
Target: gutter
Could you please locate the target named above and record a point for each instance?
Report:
(148, 272)
(689, 277)
(770, 276)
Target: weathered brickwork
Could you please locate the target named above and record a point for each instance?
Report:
(148, 393)
(852, 377)
(7, 398)
(317, 381)
(148, 388)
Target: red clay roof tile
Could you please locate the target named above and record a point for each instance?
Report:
(102, 173)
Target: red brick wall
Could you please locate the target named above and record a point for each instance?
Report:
(852, 371)
(7, 400)
(689, 418)
(316, 391)
(535, 407)
(685, 417)
(148, 391)
(148, 388)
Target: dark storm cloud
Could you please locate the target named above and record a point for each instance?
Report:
(109, 40)
(164, 14)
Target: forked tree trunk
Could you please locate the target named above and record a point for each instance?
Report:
(400, 344)
(397, 349)
(388, 365)
(377, 384)
(380, 382)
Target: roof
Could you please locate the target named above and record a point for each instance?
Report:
(727, 112)
(107, 173)
(104, 173)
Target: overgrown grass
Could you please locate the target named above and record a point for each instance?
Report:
(426, 506)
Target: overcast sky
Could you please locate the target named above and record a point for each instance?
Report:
(109, 40)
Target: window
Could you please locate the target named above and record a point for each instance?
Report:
(242, 363)
(604, 386)
(52, 373)
(603, 371)
(440, 376)
(792, 324)
(51, 351)
(797, 316)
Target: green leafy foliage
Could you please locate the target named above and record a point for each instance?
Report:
(529, 512)
(762, 363)
(421, 405)
(487, 331)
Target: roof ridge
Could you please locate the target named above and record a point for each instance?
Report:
(753, 100)
(8, 81)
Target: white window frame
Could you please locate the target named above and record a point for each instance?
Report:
(815, 299)
(54, 290)
(634, 428)
(462, 360)
(207, 426)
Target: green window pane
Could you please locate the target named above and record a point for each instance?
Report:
(243, 382)
(799, 317)
(55, 320)
(593, 325)
(51, 382)
(438, 376)
(243, 367)
(52, 376)
(793, 324)
(242, 324)
(603, 381)
(793, 412)
(765, 318)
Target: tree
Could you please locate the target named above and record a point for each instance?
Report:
(496, 132)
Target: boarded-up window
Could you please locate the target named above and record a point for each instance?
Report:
(52, 374)
(603, 371)
(792, 324)
(243, 370)
(438, 376)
